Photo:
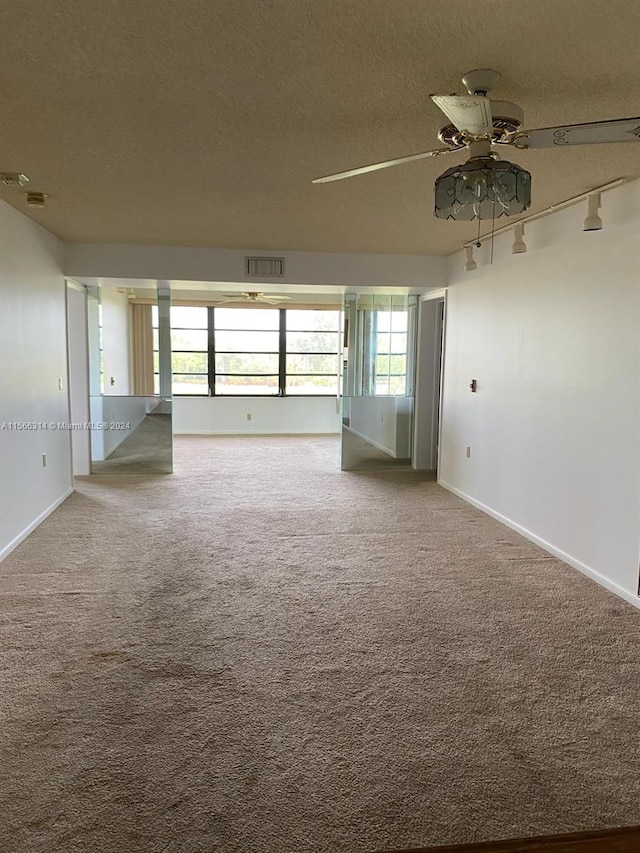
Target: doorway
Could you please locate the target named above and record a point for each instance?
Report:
(429, 373)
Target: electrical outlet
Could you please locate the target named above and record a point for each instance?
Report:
(467, 452)
(249, 416)
(60, 383)
(44, 460)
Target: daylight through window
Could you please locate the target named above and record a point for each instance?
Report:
(245, 351)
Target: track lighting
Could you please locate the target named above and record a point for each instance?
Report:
(469, 262)
(592, 221)
(518, 246)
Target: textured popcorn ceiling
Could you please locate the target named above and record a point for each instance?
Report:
(202, 122)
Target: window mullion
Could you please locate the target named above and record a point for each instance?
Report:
(282, 353)
(211, 350)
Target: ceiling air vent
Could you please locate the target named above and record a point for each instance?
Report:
(264, 267)
(13, 179)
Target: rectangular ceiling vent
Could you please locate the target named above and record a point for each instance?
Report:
(13, 179)
(264, 267)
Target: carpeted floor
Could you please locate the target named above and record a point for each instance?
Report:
(264, 654)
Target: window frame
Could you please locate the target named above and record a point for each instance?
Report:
(281, 390)
(370, 338)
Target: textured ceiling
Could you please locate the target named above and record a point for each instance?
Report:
(202, 122)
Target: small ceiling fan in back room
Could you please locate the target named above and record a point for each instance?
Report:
(253, 297)
(484, 186)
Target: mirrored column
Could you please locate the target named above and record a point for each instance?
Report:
(130, 367)
(378, 379)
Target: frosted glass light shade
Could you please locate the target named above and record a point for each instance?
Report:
(483, 188)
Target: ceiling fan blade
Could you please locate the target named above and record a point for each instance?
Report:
(590, 133)
(469, 113)
(373, 167)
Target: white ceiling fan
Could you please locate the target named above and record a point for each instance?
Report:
(485, 186)
(256, 298)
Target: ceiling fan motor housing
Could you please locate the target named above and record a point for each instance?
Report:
(508, 118)
(480, 81)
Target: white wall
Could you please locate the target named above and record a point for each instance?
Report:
(269, 415)
(553, 339)
(33, 361)
(115, 341)
(227, 265)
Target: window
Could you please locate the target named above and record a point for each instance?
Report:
(189, 350)
(391, 353)
(312, 347)
(384, 349)
(245, 351)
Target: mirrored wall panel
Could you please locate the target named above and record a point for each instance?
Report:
(130, 381)
(378, 381)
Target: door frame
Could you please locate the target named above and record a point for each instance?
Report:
(429, 376)
(78, 376)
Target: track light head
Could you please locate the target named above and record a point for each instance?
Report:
(592, 221)
(518, 246)
(469, 262)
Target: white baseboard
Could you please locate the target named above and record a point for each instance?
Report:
(547, 546)
(22, 536)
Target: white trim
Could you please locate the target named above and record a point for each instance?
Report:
(547, 546)
(443, 366)
(22, 536)
(434, 294)
(429, 373)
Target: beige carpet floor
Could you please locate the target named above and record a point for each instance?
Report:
(263, 654)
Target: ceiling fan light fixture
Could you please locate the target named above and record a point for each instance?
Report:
(482, 188)
(592, 220)
(518, 246)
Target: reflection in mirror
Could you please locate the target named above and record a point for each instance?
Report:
(139, 445)
(131, 418)
(378, 381)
